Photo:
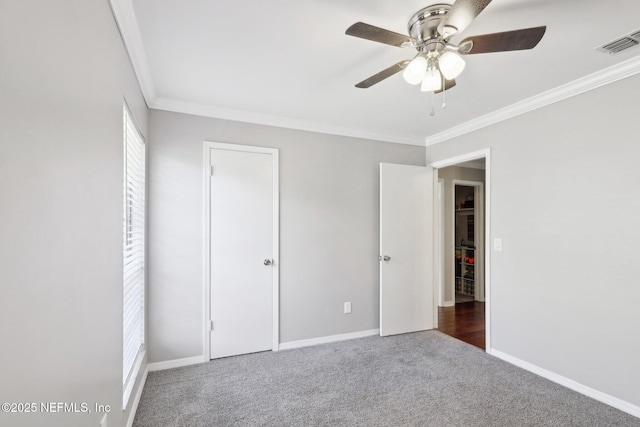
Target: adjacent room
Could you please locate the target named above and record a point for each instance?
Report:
(290, 213)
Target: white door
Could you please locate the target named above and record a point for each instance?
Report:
(241, 252)
(406, 249)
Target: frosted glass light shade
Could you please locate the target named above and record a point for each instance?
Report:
(451, 65)
(432, 81)
(415, 71)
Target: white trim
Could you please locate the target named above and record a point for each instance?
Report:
(131, 379)
(206, 254)
(439, 249)
(207, 146)
(276, 249)
(217, 112)
(136, 399)
(448, 304)
(175, 363)
(486, 154)
(617, 403)
(593, 81)
(487, 246)
(329, 339)
(127, 23)
(462, 158)
(479, 213)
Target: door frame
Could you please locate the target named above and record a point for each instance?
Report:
(439, 245)
(208, 146)
(452, 161)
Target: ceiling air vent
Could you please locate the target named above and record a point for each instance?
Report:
(621, 44)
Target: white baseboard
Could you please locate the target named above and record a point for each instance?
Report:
(136, 398)
(448, 304)
(620, 404)
(176, 363)
(324, 340)
(157, 366)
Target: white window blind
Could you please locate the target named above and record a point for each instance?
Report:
(133, 254)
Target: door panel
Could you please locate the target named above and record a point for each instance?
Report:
(406, 238)
(241, 227)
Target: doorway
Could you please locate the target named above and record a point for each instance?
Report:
(467, 235)
(462, 253)
(241, 249)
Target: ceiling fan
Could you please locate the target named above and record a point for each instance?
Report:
(439, 61)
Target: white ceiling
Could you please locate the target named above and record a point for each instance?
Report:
(288, 62)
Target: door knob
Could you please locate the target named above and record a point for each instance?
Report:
(267, 262)
(384, 258)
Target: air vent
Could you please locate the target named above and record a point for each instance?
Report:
(623, 43)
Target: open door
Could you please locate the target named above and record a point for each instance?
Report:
(406, 249)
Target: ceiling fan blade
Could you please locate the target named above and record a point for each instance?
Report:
(377, 34)
(523, 39)
(448, 84)
(387, 72)
(462, 13)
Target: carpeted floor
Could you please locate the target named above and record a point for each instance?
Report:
(419, 379)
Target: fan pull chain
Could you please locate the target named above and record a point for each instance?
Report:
(433, 112)
(444, 91)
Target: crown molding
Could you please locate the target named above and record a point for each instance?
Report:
(125, 17)
(126, 21)
(608, 75)
(195, 109)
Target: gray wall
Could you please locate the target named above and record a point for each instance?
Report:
(63, 78)
(564, 188)
(449, 174)
(328, 228)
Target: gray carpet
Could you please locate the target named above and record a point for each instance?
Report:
(419, 379)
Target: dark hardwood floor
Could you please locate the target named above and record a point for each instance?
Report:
(464, 321)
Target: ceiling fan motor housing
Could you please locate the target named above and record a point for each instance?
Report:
(423, 25)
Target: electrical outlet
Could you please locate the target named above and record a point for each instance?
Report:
(347, 307)
(497, 244)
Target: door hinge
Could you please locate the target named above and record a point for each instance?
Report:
(211, 325)
(211, 171)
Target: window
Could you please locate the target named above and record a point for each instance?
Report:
(133, 255)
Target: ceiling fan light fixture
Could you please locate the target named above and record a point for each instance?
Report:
(439, 61)
(415, 71)
(432, 81)
(451, 65)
